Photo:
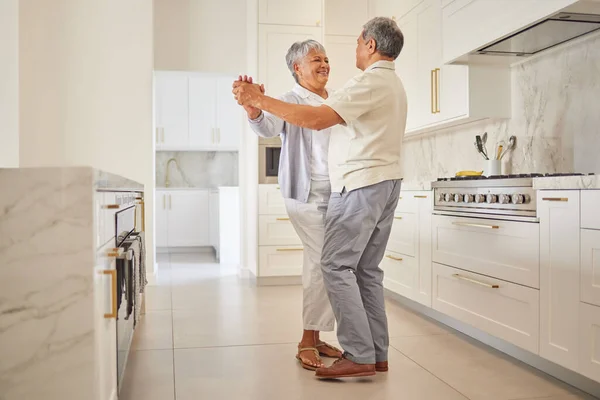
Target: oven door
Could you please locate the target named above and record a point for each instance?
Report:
(124, 224)
(125, 306)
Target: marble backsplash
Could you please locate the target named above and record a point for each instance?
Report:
(198, 169)
(555, 117)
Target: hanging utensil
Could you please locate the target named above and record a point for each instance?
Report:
(499, 152)
(499, 147)
(477, 148)
(512, 143)
(479, 144)
(484, 139)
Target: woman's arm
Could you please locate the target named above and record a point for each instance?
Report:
(267, 125)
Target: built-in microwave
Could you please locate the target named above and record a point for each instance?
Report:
(269, 151)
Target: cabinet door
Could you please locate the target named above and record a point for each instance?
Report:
(403, 238)
(105, 322)
(407, 68)
(273, 44)
(382, 8)
(230, 117)
(213, 209)
(203, 129)
(453, 81)
(341, 51)
(559, 276)
(400, 274)
(429, 37)
(424, 223)
(162, 219)
(590, 266)
(589, 333)
(290, 12)
(188, 218)
(171, 104)
(345, 17)
(270, 200)
(280, 260)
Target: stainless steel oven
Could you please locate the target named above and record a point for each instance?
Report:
(269, 151)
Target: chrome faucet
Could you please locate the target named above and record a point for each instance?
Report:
(167, 182)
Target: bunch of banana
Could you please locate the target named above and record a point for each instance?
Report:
(469, 173)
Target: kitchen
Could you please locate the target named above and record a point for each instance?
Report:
(507, 261)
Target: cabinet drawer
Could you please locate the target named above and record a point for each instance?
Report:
(589, 338)
(590, 215)
(276, 230)
(590, 266)
(400, 274)
(280, 260)
(407, 203)
(270, 200)
(505, 310)
(403, 238)
(502, 249)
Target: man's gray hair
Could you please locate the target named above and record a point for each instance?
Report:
(298, 51)
(387, 35)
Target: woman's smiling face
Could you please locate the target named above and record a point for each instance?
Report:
(313, 69)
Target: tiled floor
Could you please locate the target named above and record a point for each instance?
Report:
(208, 334)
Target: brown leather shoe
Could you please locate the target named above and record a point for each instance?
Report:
(344, 368)
(381, 366)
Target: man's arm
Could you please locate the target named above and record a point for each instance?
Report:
(315, 118)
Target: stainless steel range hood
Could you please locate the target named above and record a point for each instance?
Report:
(552, 31)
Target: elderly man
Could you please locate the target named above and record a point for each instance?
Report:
(369, 118)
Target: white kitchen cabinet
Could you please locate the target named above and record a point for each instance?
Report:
(341, 51)
(290, 12)
(270, 200)
(590, 217)
(440, 95)
(558, 212)
(105, 323)
(391, 8)
(501, 249)
(171, 109)
(276, 230)
(203, 111)
(216, 120)
(470, 24)
(273, 44)
(280, 260)
(589, 341)
(162, 219)
(407, 263)
(213, 209)
(345, 17)
(590, 266)
(187, 218)
(502, 309)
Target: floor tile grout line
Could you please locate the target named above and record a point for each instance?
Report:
(172, 333)
(431, 372)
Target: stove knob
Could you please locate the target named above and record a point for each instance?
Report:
(458, 198)
(469, 198)
(491, 198)
(517, 199)
(480, 198)
(448, 197)
(441, 197)
(504, 198)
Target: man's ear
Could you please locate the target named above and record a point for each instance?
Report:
(372, 46)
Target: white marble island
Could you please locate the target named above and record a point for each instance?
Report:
(57, 301)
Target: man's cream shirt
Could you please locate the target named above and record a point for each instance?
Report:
(366, 149)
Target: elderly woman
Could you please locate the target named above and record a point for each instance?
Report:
(304, 182)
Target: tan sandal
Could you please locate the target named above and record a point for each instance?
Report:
(330, 347)
(306, 365)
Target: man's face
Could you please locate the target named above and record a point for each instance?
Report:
(362, 52)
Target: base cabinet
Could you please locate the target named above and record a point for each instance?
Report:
(589, 341)
(183, 220)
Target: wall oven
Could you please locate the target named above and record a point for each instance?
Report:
(269, 151)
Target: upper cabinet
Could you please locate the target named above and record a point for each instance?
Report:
(341, 51)
(469, 25)
(345, 17)
(273, 44)
(440, 96)
(393, 9)
(291, 12)
(196, 112)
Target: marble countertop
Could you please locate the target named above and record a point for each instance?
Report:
(567, 182)
(106, 181)
(416, 185)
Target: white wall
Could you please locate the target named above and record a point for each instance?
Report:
(200, 35)
(9, 83)
(86, 88)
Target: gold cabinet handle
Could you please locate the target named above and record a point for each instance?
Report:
(294, 249)
(437, 92)
(420, 196)
(282, 219)
(476, 225)
(113, 288)
(164, 201)
(432, 91)
(397, 217)
(393, 258)
(393, 17)
(318, 23)
(163, 134)
(277, 187)
(170, 202)
(464, 278)
(555, 199)
(112, 206)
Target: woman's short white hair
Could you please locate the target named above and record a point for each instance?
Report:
(298, 51)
